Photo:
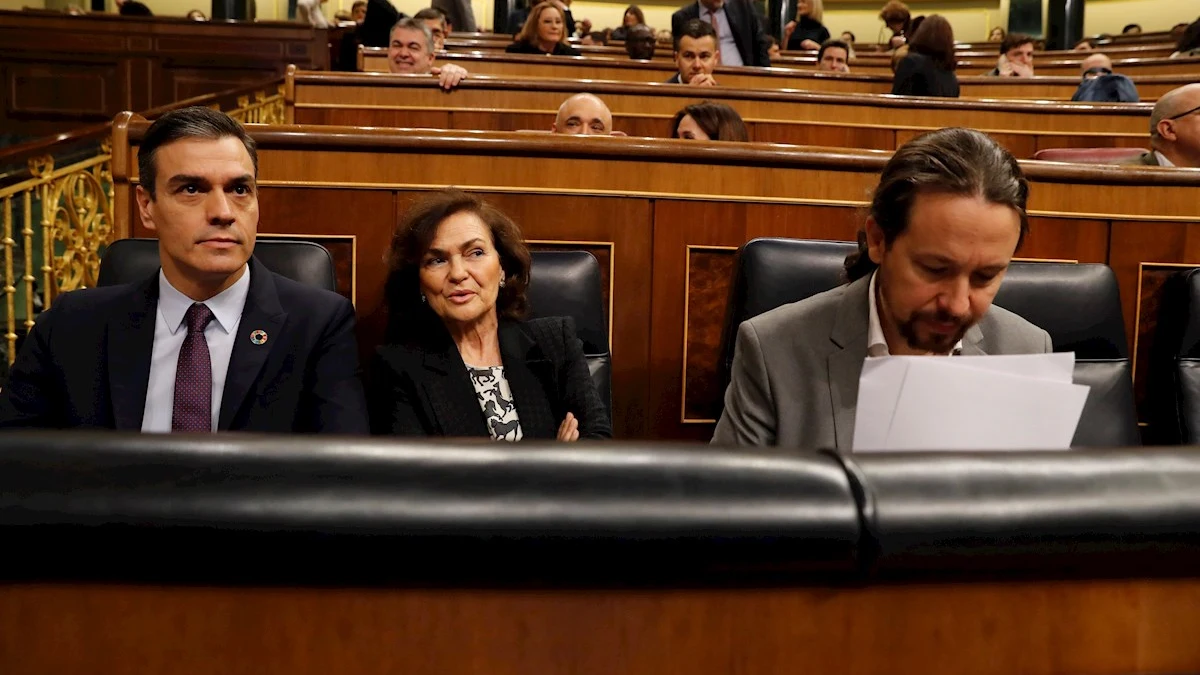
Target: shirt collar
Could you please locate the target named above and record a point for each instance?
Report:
(1162, 159)
(704, 11)
(226, 306)
(876, 342)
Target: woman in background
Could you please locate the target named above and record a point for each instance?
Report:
(545, 32)
(709, 121)
(807, 31)
(632, 17)
(997, 34)
(928, 68)
(898, 19)
(460, 361)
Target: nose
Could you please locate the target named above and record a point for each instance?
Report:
(458, 271)
(955, 298)
(220, 211)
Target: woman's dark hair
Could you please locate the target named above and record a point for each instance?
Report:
(952, 161)
(417, 229)
(935, 39)
(636, 11)
(1190, 39)
(718, 120)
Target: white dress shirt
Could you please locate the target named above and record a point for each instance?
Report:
(876, 341)
(169, 332)
(730, 56)
(1162, 159)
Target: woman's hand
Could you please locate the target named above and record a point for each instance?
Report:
(568, 431)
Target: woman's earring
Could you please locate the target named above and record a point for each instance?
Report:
(423, 297)
(502, 283)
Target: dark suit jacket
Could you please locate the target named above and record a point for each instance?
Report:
(420, 387)
(747, 28)
(675, 79)
(86, 363)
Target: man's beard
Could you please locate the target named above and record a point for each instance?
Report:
(938, 343)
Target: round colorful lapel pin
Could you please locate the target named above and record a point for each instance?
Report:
(259, 337)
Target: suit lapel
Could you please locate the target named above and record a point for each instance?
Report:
(262, 312)
(972, 342)
(527, 368)
(130, 346)
(845, 364)
(450, 393)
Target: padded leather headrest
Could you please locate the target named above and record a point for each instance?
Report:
(128, 261)
(1079, 305)
(337, 508)
(567, 283)
(1087, 512)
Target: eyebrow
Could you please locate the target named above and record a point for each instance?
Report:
(186, 179)
(466, 244)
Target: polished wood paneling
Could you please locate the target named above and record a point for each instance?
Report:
(366, 91)
(708, 274)
(1090, 627)
(58, 71)
(1142, 255)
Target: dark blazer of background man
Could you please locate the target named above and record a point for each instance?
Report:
(747, 25)
(102, 357)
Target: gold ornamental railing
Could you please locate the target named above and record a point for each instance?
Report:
(58, 221)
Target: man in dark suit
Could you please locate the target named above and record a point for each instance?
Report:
(740, 35)
(1174, 130)
(696, 54)
(213, 340)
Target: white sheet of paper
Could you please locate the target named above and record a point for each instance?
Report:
(968, 403)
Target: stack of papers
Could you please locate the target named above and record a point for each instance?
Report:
(1020, 402)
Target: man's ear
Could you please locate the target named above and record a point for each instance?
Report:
(876, 242)
(143, 201)
(1166, 129)
(554, 127)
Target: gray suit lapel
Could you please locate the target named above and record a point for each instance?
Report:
(845, 364)
(973, 342)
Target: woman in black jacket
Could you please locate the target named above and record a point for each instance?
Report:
(807, 31)
(545, 32)
(928, 69)
(460, 360)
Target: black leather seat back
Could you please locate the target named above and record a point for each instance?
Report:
(1050, 513)
(132, 260)
(1078, 304)
(568, 283)
(1173, 386)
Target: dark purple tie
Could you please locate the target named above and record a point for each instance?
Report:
(193, 376)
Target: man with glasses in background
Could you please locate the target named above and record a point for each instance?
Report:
(1175, 129)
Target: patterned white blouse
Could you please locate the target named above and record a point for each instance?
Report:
(496, 401)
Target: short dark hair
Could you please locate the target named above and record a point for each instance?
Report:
(430, 13)
(1130, 26)
(417, 229)
(194, 122)
(636, 11)
(935, 39)
(853, 37)
(1014, 40)
(357, 4)
(598, 37)
(951, 161)
(696, 29)
(838, 44)
(718, 120)
(1190, 39)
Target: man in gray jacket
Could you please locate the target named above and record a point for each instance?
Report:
(944, 223)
